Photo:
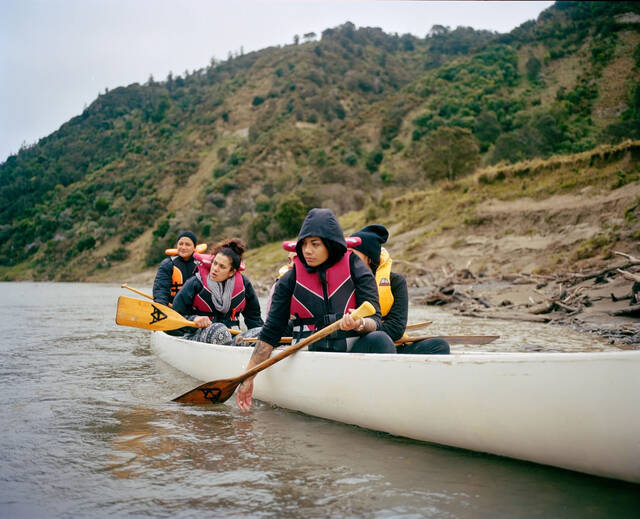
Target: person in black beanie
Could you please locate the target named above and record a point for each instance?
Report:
(392, 291)
(174, 271)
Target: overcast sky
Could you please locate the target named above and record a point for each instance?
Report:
(56, 56)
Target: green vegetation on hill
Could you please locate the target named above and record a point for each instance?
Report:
(352, 121)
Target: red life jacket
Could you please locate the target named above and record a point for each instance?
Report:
(203, 302)
(316, 302)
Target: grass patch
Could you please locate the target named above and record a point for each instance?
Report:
(601, 244)
(19, 272)
(263, 262)
(623, 178)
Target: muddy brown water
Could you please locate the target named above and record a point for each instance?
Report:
(88, 431)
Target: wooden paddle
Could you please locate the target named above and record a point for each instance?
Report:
(150, 315)
(451, 339)
(232, 331)
(416, 326)
(219, 391)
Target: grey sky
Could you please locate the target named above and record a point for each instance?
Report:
(56, 56)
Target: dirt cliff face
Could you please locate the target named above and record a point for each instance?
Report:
(563, 215)
(539, 236)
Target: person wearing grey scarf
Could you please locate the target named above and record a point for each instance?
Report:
(210, 302)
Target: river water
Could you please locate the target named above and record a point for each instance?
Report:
(88, 430)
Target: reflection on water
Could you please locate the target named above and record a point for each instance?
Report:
(89, 431)
(295, 465)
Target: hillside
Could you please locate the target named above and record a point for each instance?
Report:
(471, 146)
(564, 214)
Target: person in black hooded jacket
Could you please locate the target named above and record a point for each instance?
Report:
(325, 283)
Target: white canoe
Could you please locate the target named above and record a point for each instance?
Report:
(578, 411)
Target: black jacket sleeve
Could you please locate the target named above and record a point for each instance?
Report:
(162, 282)
(278, 317)
(366, 288)
(395, 322)
(251, 312)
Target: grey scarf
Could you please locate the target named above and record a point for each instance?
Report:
(221, 294)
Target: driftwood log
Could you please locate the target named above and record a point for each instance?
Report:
(507, 316)
(631, 311)
(629, 275)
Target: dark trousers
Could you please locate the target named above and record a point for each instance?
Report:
(435, 346)
(374, 342)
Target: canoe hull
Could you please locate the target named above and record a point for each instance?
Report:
(577, 411)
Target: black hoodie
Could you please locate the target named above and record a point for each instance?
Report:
(322, 223)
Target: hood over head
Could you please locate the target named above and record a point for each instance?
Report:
(323, 223)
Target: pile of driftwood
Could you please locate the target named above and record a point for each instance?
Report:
(565, 295)
(628, 271)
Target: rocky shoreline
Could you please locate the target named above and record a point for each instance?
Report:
(604, 302)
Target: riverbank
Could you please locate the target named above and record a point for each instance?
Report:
(600, 302)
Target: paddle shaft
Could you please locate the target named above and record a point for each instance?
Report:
(334, 327)
(220, 390)
(288, 340)
(139, 292)
(451, 339)
(416, 326)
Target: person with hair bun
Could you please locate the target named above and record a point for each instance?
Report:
(216, 296)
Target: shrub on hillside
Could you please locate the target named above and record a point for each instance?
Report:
(119, 254)
(86, 243)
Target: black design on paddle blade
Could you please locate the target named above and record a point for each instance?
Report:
(157, 315)
(211, 394)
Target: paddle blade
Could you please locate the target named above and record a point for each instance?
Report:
(148, 315)
(416, 326)
(214, 392)
(451, 339)
(470, 339)
(364, 310)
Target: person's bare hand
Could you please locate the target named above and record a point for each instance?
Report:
(349, 323)
(243, 394)
(202, 321)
